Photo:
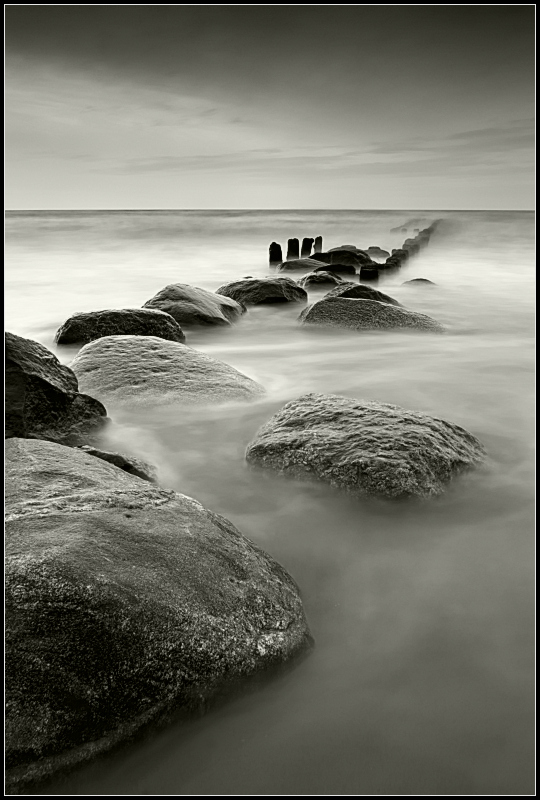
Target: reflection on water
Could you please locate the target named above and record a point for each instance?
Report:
(421, 679)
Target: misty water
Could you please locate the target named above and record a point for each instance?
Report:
(421, 679)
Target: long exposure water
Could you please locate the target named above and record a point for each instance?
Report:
(421, 679)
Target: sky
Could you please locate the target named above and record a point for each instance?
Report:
(277, 106)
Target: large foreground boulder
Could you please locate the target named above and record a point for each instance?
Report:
(124, 602)
(359, 291)
(43, 399)
(345, 312)
(296, 264)
(144, 369)
(190, 305)
(89, 325)
(364, 447)
(254, 291)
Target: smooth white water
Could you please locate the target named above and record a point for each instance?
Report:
(421, 680)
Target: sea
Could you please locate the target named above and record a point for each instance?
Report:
(421, 680)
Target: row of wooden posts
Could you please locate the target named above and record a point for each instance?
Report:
(293, 249)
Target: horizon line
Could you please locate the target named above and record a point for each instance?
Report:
(431, 210)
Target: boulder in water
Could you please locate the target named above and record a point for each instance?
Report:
(264, 290)
(190, 305)
(319, 279)
(125, 603)
(419, 281)
(43, 399)
(127, 370)
(86, 326)
(364, 447)
(297, 264)
(344, 312)
(359, 291)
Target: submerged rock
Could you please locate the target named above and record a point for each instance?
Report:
(320, 278)
(124, 603)
(144, 369)
(340, 269)
(130, 464)
(264, 290)
(308, 264)
(364, 447)
(89, 325)
(378, 252)
(190, 305)
(360, 314)
(419, 281)
(360, 291)
(43, 399)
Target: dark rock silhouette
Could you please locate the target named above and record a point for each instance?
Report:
(89, 325)
(124, 603)
(306, 247)
(319, 279)
(42, 397)
(307, 264)
(365, 315)
(275, 255)
(264, 290)
(190, 305)
(360, 291)
(130, 464)
(340, 269)
(369, 272)
(293, 250)
(130, 370)
(364, 447)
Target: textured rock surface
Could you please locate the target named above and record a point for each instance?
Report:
(365, 314)
(364, 447)
(131, 369)
(90, 325)
(377, 252)
(340, 269)
(320, 278)
(307, 264)
(264, 290)
(340, 255)
(124, 602)
(43, 399)
(190, 305)
(130, 464)
(416, 281)
(359, 291)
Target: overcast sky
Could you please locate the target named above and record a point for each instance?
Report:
(409, 107)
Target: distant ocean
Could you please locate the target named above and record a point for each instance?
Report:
(421, 680)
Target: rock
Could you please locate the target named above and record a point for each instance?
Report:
(293, 249)
(125, 604)
(364, 447)
(43, 399)
(318, 244)
(341, 269)
(360, 291)
(350, 247)
(275, 256)
(411, 245)
(264, 290)
(369, 272)
(308, 264)
(420, 281)
(89, 325)
(130, 464)
(306, 247)
(144, 369)
(319, 278)
(365, 315)
(190, 305)
(377, 252)
(400, 254)
(341, 256)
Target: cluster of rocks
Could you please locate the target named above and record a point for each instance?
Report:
(134, 600)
